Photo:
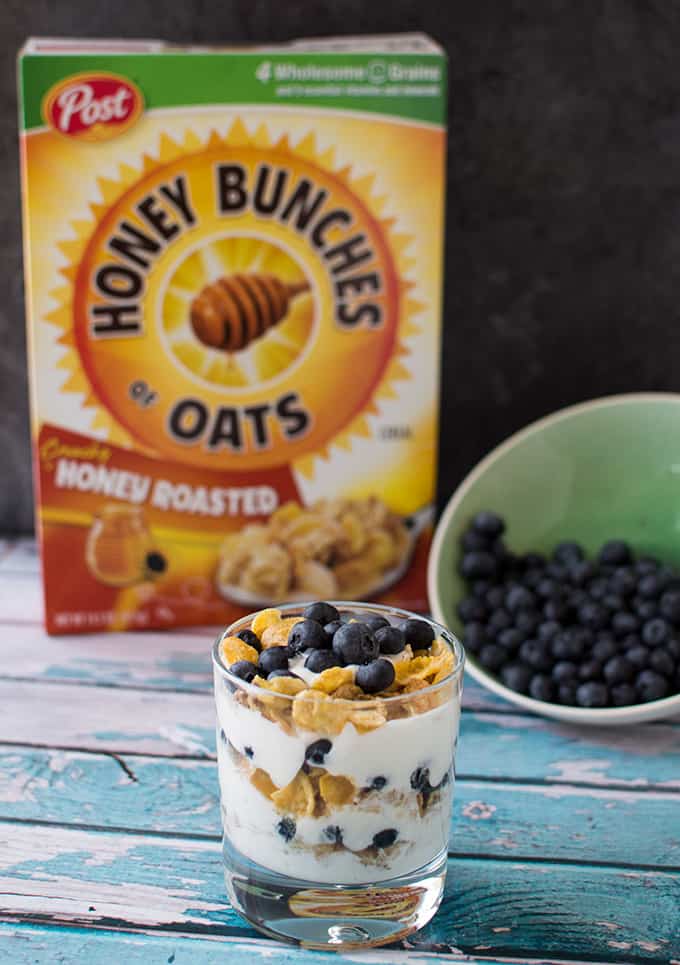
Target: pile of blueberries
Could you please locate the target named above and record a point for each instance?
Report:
(603, 632)
(328, 639)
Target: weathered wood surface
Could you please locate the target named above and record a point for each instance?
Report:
(84, 877)
(170, 796)
(565, 841)
(65, 945)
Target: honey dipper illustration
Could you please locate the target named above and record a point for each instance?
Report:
(233, 311)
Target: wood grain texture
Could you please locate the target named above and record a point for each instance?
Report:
(80, 877)
(27, 944)
(514, 821)
(501, 746)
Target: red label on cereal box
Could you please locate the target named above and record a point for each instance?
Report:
(93, 107)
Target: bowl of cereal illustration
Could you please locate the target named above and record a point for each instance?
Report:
(352, 548)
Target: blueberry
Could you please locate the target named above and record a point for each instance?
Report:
(243, 669)
(321, 613)
(567, 645)
(418, 633)
(420, 779)
(582, 572)
(604, 649)
(480, 588)
(390, 639)
(320, 660)
(473, 541)
(651, 686)
(499, 620)
(623, 623)
(534, 561)
(375, 676)
(500, 551)
(564, 671)
(478, 564)
(568, 552)
(375, 622)
(527, 620)
(661, 662)
(307, 635)
(638, 656)
(330, 629)
(618, 670)
(548, 629)
(475, 637)
(577, 598)
(542, 687)
(598, 589)
(557, 571)
(471, 609)
(615, 553)
(250, 638)
(274, 658)
(672, 647)
(316, 752)
(354, 643)
(492, 656)
(249, 752)
(650, 587)
(590, 670)
(383, 839)
(519, 598)
(333, 833)
(532, 578)
(495, 597)
(510, 639)
(536, 653)
(655, 632)
(286, 828)
(612, 602)
(646, 564)
(566, 693)
(623, 581)
(488, 524)
(517, 677)
(156, 562)
(669, 607)
(593, 615)
(548, 589)
(556, 610)
(623, 695)
(592, 694)
(378, 783)
(645, 609)
(283, 673)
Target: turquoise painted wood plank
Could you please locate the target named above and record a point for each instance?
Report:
(31, 944)
(79, 877)
(555, 822)
(508, 746)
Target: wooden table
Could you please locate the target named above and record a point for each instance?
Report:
(565, 843)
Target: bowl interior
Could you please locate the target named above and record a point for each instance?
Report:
(602, 470)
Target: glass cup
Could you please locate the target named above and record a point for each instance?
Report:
(336, 812)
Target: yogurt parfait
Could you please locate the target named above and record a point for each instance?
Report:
(337, 727)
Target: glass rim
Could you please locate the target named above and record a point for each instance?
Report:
(441, 631)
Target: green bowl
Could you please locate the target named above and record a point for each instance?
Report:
(605, 469)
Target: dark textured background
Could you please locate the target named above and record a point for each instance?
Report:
(563, 250)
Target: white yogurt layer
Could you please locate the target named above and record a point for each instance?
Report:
(251, 821)
(392, 751)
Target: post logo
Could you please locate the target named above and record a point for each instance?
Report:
(92, 106)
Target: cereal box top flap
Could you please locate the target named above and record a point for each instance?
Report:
(402, 43)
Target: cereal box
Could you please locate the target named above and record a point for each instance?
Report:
(233, 280)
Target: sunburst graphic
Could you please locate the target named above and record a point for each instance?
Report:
(283, 354)
(264, 358)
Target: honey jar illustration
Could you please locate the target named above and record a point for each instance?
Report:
(120, 549)
(232, 312)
